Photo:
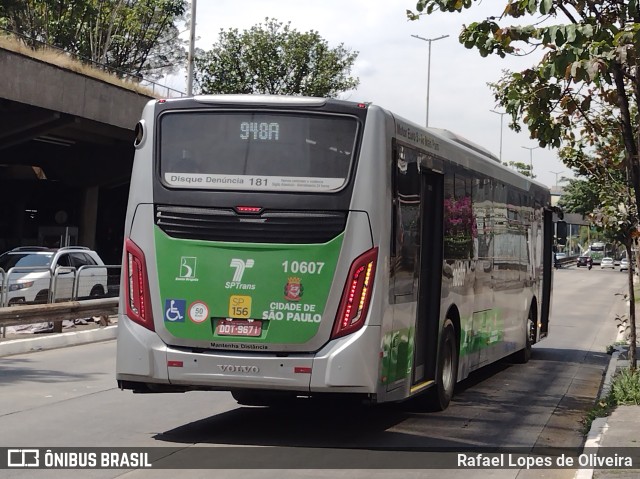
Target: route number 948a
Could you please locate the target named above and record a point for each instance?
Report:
(303, 267)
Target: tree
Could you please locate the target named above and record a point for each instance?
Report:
(618, 215)
(139, 37)
(521, 168)
(585, 91)
(273, 58)
(580, 196)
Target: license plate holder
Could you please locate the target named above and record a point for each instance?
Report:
(239, 327)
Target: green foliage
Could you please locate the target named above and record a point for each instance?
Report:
(273, 58)
(589, 62)
(521, 168)
(617, 213)
(625, 388)
(602, 408)
(580, 196)
(138, 37)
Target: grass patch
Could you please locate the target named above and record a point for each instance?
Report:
(625, 390)
(62, 59)
(611, 348)
(602, 408)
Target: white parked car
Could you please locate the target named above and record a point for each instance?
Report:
(607, 262)
(27, 273)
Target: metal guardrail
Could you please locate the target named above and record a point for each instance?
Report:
(55, 312)
(567, 260)
(77, 286)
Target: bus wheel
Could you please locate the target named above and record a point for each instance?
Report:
(523, 356)
(440, 395)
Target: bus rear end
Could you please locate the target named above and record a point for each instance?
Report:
(246, 267)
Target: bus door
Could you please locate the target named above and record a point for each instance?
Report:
(430, 279)
(547, 272)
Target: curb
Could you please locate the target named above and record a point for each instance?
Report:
(599, 425)
(62, 340)
(608, 377)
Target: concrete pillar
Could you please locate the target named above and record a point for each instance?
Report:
(89, 217)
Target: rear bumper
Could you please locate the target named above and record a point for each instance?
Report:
(346, 365)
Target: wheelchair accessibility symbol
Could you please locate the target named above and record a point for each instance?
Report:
(174, 310)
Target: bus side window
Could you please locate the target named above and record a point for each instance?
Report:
(406, 220)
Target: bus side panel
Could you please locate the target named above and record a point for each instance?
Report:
(501, 334)
(147, 347)
(140, 352)
(373, 193)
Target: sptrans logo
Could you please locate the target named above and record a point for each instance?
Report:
(240, 266)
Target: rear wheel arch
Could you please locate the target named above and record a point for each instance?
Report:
(454, 315)
(97, 290)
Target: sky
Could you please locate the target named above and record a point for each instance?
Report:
(392, 65)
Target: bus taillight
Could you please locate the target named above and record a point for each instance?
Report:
(137, 288)
(356, 295)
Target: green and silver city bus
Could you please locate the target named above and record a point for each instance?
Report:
(282, 247)
(597, 251)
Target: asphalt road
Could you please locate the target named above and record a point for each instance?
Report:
(68, 398)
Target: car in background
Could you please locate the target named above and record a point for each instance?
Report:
(35, 267)
(583, 261)
(607, 262)
(560, 256)
(624, 264)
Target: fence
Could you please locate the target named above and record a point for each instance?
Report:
(35, 294)
(38, 285)
(57, 312)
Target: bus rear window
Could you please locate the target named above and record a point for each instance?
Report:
(256, 151)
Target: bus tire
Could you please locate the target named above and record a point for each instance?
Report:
(440, 395)
(523, 356)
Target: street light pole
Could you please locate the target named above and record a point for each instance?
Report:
(556, 173)
(502, 114)
(429, 40)
(192, 41)
(531, 148)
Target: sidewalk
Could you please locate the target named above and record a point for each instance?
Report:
(19, 343)
(617, 432)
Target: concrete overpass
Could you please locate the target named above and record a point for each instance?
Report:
(66, 150)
